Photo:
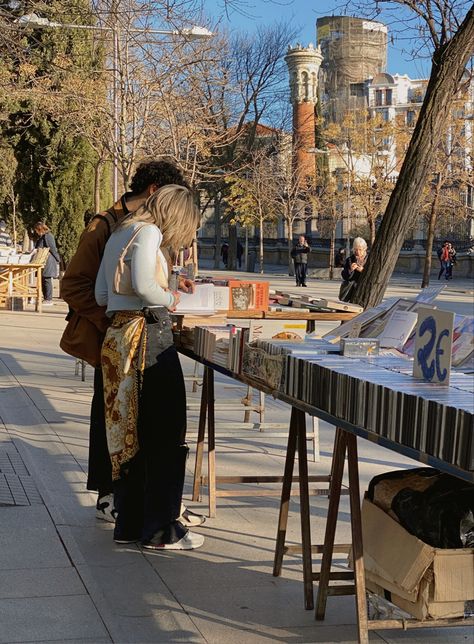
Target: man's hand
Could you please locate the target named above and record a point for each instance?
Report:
(186, 285)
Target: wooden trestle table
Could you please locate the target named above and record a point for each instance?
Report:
(345, 444)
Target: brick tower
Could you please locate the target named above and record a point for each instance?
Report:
(303, 67)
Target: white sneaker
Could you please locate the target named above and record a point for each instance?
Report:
(48, 303)
(190, 541)
(189, 518)
(105, 508)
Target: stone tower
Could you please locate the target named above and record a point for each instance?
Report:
(303, 67)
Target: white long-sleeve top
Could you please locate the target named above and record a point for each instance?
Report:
(141, 258)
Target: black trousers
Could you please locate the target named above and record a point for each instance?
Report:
(99, 475)
(47, 287)
(148, 495)
(300, 273)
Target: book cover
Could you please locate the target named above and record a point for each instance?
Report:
(277, 329)
(398, 329)
(248, 295)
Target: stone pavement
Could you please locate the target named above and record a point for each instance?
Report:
(62, 579)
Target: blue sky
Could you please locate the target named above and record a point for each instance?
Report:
(303, 14)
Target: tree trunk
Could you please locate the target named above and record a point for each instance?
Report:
(261, 243)
(217, 232)
(13, 200)
(449, 63)
(246, 249)
(372, 230)
(429, 244)
(291, 267)
(332, 250)
(97, 180)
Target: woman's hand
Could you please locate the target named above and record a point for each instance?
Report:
(176, 299)
(354, 266)
(186, 285)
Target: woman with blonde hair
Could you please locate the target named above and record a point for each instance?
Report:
(145, 402)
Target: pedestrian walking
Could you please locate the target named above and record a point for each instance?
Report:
(88, 323)
(299, 254)
(240, 252)
(353, 268)
(144, 392)
(447, 258)
(225, 253)
(5, 239)
(45, 239)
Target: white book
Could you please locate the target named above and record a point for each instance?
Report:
(201, 302)
(221, 298)
(398, 329)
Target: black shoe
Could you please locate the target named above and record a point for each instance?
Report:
(304, 285)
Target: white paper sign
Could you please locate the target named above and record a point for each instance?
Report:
(433, 343)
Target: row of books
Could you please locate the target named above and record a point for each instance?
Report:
(433, 419)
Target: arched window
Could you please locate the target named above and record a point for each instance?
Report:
(305, 81)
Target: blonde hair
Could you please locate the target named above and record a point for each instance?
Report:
(172, 208)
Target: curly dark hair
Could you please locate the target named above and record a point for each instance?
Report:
(161, 173)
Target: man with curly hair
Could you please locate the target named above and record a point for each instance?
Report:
(87, 321)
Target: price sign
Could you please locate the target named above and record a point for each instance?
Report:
(433, 344)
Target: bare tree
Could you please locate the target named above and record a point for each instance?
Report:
(450, 26)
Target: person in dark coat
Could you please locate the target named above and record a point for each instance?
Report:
(340, 258)
(353, 267)
(300, 260)
(225, 253)
(45, 239)
(240, 252)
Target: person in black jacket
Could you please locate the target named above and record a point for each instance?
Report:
(300, 260)
(353, 267)
(45, 239)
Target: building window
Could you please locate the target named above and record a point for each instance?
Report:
(378, 97)
(385, 115)
(388, 97)
(410, 118)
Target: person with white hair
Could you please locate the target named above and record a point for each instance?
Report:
(353, 267)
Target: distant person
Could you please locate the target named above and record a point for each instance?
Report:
(340, 258)
(447, 258)
(240, 252)
(300, 260)
(353, 268)
(5, 239)
(45, 239)
(225, 253)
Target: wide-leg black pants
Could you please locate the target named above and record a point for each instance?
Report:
(148, 495)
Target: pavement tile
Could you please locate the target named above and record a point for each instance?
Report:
(44, 619)
(28, 539)
(40, 582)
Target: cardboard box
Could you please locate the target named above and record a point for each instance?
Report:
(424, 581)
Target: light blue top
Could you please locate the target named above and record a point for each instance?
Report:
(141, 258)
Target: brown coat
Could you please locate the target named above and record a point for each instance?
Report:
(87, 322)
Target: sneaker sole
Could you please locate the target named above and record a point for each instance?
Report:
(192, 522)
(104, 517)
(126, 541)
(172, 546)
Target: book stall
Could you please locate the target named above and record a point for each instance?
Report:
(20, 277)
(401, 375)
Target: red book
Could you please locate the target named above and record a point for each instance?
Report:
(248, 295)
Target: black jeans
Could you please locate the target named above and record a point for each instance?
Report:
(148, 494)
(99, 475)
(300, 273)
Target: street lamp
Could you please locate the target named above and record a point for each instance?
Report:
(188, 33)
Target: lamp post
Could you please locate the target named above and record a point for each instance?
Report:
(192, 33)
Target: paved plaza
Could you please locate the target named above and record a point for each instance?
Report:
(62, 578)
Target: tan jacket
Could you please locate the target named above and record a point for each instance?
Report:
(87, 322)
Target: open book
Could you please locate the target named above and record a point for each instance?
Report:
(201, 302)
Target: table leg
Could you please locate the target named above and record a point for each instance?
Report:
(39, 296)
(211, 445)
(357, 546)
(200, 438)
(305, 510)
(337, 472)
(285, 494)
